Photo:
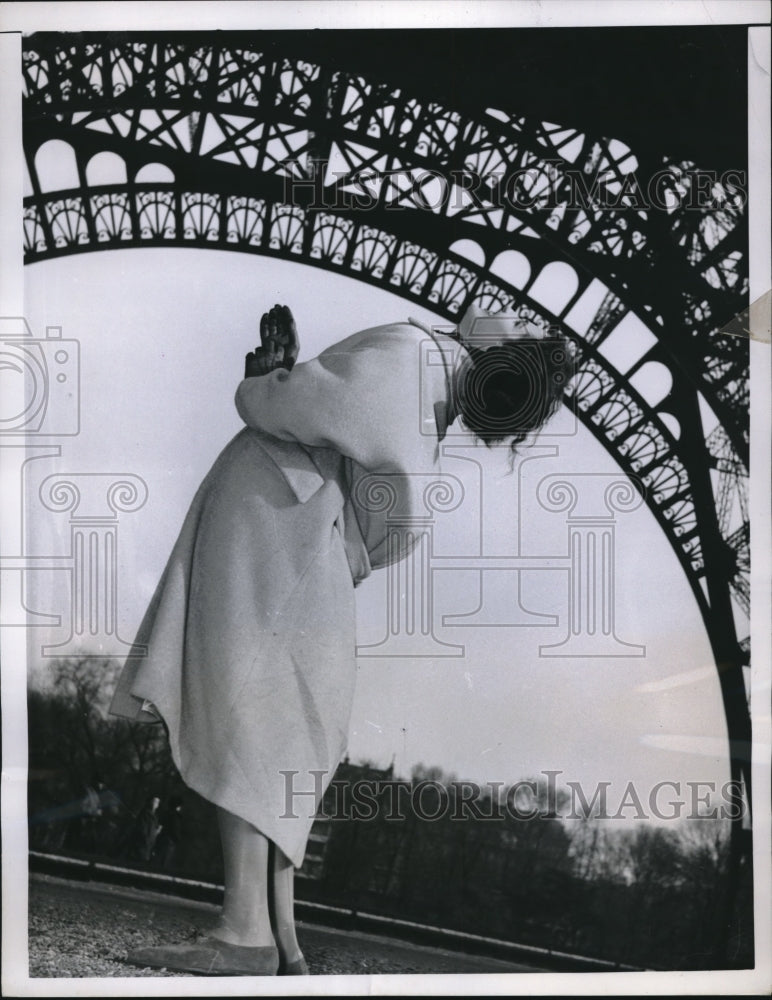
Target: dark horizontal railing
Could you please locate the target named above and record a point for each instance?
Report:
(343, 918)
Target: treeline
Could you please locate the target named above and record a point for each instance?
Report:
(650, 896)
(93, 778)
(647, 896)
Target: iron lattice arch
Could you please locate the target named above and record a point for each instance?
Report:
(213, 142)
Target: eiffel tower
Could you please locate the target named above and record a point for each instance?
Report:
(222, 141)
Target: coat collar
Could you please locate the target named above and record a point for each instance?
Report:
(302, 475)
(449, 350)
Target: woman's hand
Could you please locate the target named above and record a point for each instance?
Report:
(279, 343)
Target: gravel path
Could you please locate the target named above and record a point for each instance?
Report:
(86, 929)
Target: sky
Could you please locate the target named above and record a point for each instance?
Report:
(162, 336)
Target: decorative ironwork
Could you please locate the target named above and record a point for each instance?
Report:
(245, 221)
(243, 108)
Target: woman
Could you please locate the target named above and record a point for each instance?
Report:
(251, 632)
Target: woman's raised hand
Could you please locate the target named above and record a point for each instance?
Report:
(279, 343)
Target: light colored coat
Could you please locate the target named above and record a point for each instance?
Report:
(250, 635)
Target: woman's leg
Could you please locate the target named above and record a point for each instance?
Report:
(245, 920)
(281, 898)
(245, 916)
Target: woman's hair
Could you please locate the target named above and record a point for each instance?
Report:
(510, 390)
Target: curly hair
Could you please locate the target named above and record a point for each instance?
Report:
(509, 391)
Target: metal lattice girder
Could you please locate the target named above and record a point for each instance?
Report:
(267, 114)
(240, 130)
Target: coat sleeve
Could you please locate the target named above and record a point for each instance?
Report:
(360, 397)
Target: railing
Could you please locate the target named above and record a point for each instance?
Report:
(340, 917)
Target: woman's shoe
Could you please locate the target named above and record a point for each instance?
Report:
(296, 968)
(208, 956)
